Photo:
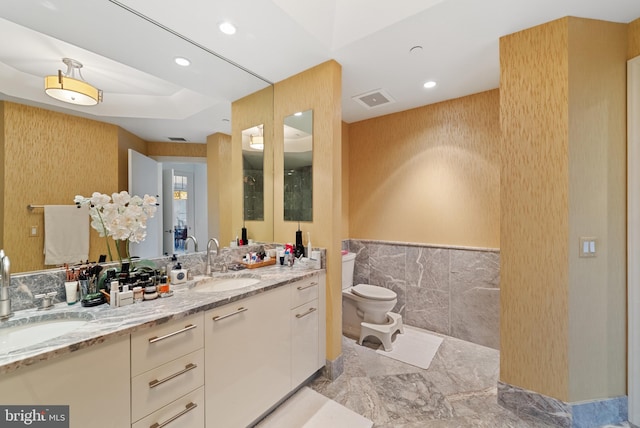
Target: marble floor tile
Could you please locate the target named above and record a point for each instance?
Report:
(458, 390)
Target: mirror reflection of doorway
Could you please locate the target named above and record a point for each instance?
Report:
(183, 208)
(184, 184)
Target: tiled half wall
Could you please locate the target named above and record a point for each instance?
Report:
(449, 290)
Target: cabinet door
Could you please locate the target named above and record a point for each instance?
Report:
(247, 358)
(305, 342)
(91, 381)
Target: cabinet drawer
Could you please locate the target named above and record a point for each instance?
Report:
(305, 342)
(156, 346)
(304, 291)
(186, 411)
(160, 386)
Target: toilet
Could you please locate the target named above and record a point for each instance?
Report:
(366, 308)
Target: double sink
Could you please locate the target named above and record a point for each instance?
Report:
(20, 333)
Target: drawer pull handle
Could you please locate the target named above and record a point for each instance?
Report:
(155, 339)
(311, 310)
(187, 408)
(311, 284)
(221, 317)
(157, 382)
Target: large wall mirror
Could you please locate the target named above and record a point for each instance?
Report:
(143, 90)
(253, 173)
(298, 166)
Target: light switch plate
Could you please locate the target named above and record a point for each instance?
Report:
(588, 246)
(33, 231)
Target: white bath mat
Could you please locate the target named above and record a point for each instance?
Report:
(416, 347)
(308, 409)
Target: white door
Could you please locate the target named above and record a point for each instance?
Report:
(145, 178)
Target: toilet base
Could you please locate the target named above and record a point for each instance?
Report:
(382, 331)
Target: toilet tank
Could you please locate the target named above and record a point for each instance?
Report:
(348, 265)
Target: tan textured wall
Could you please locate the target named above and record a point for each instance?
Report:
(247, 112)
(534, 209)
(345, 180)
(194, 150)
(429, 174)
(597, 207)
(49, 158)
(219, 186)
(634, 39)
(562, 145)
(319, 89)
(126, 141)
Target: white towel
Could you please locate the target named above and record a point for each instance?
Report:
(66, 234)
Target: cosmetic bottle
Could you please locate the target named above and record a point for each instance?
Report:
(299, 248)
(113, 294)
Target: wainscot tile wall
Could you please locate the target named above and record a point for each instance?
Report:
(449, 290)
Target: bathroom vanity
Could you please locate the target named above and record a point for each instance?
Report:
(199, 358)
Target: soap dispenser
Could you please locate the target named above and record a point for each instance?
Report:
(178, 274)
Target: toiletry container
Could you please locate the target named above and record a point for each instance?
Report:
(178, 274)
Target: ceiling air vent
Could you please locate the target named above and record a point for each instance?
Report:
(178, 139)
(374, 99)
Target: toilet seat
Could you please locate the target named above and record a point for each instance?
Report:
(373, 292)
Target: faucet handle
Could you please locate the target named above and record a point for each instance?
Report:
(47, 299)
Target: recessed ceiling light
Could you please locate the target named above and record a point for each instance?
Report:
(227, 28)
(430, 84)
(182, 61)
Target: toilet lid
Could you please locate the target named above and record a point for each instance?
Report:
(373, 292)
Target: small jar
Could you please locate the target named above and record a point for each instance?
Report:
(150, 293)
(138, 294)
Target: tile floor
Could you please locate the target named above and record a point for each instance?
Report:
(457, 390)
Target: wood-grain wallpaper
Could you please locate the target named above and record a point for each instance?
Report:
(562, 121)
(634, 39)
(428, 175)
(49, 158)
(534, 73)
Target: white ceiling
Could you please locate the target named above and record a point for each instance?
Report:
(131, 58)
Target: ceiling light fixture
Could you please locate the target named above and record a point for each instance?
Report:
(70, 87)
(257, 141)
(430, 84)
(227, 28)
(182, 61)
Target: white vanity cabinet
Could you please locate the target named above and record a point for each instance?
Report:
(307, 318)
(248, 358)
(94, 382)
(167, 374)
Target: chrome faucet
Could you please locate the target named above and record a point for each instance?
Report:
(5, 283)
(195, 243)
(211, 241)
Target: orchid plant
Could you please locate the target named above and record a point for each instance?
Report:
(121, 217)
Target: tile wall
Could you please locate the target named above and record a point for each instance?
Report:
(449, 290)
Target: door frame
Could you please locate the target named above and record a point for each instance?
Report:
(633, 238)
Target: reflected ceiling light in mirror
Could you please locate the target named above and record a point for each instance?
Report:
(257, 141)
(298, 114)
(182, 61)
(227, 28)
(430, 84)
(70, 87)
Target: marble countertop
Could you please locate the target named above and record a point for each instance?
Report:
(104, 322)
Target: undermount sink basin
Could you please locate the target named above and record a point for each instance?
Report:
(26, 335)
(225, 284)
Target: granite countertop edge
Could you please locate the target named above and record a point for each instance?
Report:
(105, 323)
